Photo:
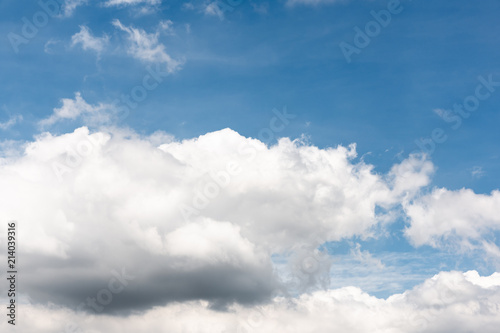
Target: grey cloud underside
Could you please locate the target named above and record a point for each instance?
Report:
(156, 282)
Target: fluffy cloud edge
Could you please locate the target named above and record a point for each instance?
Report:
(461, 219)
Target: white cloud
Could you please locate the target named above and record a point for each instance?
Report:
(213, 9)
(280, 194)
(146, 47)
(311, 2)
(218, 8)
(139, 7)
(411, 174)
(188, 6)
(110, 3)
(449, 302)
(245, 202)
(461, 218)
(166, 26)
(70, 6)
(89, 42)
(366, 258)
(477, 172)
(11, 122)
(312, 189)
(78, 107)
(261, 8)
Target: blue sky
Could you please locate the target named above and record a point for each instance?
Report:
(232, 68)
(240, 67)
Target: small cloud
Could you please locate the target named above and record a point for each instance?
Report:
(11, 122)
(146, 47)
(166, 26)
(111, 3)
(443, 113)
(212, 9)
(89, 42)
(292, 3)
(74, 108)
(70, 6)
(188, 6)
(139, 7)
(262, 8)
(477, 172)
(47, 47)
(145, 10)
(366, 258)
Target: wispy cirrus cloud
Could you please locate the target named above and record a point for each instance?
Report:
(110, 3)
(293, 3)
(213, 9)
(218, 8)
(147, 47)
(11, 122)
(69, 7)
(89, 42)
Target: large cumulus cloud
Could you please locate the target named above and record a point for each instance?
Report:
(193, 219)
